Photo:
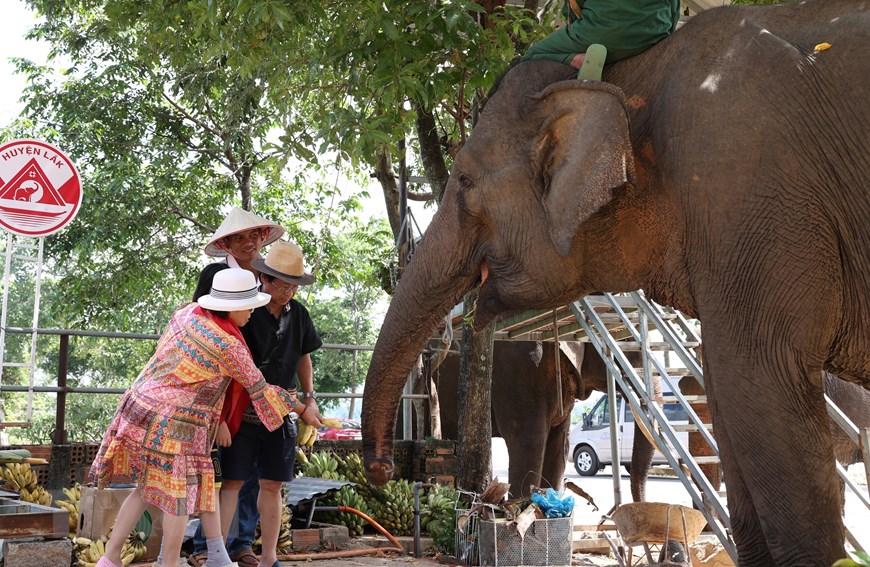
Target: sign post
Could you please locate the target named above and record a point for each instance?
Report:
(40, 193)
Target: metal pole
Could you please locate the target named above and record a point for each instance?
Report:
(59, 437)
(614, 437)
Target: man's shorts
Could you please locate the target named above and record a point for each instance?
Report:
(254, 447)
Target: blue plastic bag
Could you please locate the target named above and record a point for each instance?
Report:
(553, 504)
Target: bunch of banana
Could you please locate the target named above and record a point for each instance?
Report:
(301, 458)
(88, 551)
(306, 434)
(72, 506)
(438, 517)
(19, 476)
(333, 423)
(38, 495)
(322, 465)
(393, 507)
(347, 496)
(134, 548)
(352, 468)
(285, 536)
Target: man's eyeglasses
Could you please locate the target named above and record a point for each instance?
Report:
(282, 287)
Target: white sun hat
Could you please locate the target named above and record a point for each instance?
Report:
(233, 289)
(240, 220)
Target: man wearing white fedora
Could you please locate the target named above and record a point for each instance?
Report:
(282, 337)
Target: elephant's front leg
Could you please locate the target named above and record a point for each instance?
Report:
(556, 455)
(774, 438)
(525, 444)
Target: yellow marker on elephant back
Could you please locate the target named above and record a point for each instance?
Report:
(822, 46)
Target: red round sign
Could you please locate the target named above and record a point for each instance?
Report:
(40, 190)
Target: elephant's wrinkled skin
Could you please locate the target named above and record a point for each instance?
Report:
(739, 195)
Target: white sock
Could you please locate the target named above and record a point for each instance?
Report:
(217, 553)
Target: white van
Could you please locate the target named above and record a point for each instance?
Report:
(590, 438)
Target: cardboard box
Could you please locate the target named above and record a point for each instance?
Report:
(99, 508)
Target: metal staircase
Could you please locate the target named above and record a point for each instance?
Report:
(615, 325)
(599, 320)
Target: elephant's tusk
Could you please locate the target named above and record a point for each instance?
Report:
(484, 272)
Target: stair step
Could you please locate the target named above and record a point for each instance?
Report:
(691, 398)
(707, 460)
(672, 372)
(690, 426)
(634, 346)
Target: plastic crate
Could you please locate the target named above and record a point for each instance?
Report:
(546, 542)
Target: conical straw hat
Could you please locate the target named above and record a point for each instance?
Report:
(240, 220)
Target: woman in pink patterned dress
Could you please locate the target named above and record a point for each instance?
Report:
(167, 421)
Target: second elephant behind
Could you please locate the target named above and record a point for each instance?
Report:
(526, 411)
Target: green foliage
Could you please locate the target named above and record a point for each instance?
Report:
(856, 559)
(344, 310)
(175, 111)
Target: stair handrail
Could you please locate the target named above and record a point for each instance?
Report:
(659, 322)
(698, 487)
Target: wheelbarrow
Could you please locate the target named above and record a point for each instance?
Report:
(656, 523)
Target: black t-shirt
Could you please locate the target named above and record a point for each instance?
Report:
(277, 344)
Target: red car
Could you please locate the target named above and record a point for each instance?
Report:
(350, 430)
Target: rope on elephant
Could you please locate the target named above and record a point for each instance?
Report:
(557, 352)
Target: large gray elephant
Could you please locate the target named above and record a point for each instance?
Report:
(724, 171)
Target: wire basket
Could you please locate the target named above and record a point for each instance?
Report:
(467, 530)
(548, 541)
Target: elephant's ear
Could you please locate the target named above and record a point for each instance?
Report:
(583, 152)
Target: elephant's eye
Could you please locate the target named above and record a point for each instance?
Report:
(465, 182)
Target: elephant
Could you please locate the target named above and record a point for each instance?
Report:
(852, 399)
(723, 171)
(526, 412)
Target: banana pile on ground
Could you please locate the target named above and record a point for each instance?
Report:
(347, 496)
(327, 465)
(438, 517)
(72, 506)
(321, 465)
(20, 478)
(393, 506)
(352, 468)
(87, 551)
(285, 536)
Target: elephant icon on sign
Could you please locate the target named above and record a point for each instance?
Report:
(30, 191)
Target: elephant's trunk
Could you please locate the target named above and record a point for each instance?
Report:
(431, 285)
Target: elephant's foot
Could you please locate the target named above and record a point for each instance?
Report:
(380, 471)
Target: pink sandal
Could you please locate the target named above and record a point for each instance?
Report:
(104, 562)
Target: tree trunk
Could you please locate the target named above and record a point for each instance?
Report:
(475, 394)
(431, 152)
(389, 185)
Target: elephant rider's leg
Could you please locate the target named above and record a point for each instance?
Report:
(593, 63)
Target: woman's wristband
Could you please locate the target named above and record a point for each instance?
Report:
(304, 410)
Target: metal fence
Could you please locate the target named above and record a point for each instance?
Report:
(62, 389)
